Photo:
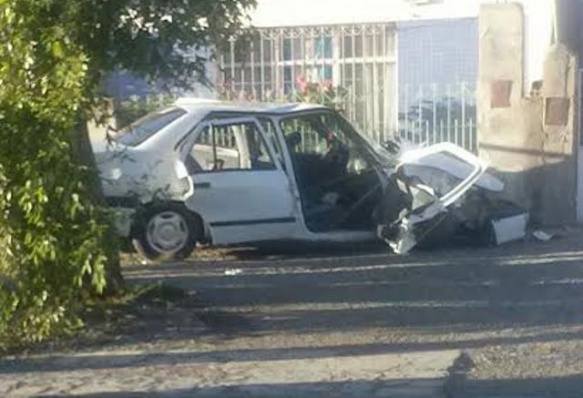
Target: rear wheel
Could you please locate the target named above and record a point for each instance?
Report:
(166, 232)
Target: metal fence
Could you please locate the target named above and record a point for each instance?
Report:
(439, 113)
(361, 61)
(358, 59)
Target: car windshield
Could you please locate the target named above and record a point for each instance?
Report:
(324, 123)
(139, 131)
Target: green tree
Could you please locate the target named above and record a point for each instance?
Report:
(56, 244)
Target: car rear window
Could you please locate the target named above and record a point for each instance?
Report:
(142, 129)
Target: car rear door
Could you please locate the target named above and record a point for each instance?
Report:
(240, 188)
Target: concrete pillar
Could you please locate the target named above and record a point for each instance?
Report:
(501, 35)
(527, 139)
(560, 133)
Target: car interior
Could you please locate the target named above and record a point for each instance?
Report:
(237, 146)
(339, 186)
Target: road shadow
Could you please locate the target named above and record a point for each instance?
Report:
(426, 294)
(397, 388)
(287, 250)
(456, 292)
(543, 387)
(564, 387)
(462, 290)
(104, 361)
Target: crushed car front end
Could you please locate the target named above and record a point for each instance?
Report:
(441, 194)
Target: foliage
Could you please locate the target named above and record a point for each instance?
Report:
(55, 244)
(228, 92)
(53, 232)
(323, 93)
(161, 40)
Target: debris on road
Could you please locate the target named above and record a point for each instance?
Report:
(233, 271)
(509, 228)
(542, 236)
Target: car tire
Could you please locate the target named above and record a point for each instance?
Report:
(165, 232)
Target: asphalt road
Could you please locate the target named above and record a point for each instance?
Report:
(493, 322)
(514, 312)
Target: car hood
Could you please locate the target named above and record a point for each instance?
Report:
(458, 166)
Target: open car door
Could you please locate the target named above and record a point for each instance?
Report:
(426, 183)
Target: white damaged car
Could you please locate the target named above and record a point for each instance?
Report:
(225, 173)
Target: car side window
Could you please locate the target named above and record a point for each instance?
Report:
(141, 130)
(229, 147)
(301, 136)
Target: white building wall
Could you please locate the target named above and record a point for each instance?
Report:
(538, 15)
(271, 13)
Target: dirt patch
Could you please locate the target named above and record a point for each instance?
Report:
(159, 310)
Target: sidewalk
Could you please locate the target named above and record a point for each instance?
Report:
(187, 374)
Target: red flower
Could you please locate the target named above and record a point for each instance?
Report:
(302, 84)
(327, 85)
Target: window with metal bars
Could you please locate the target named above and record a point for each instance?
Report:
(359, 58)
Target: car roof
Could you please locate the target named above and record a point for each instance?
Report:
(197, 109)
(198, 105)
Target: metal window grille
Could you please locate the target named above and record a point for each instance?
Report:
(362, 60)
(358, 58)
(434, 113)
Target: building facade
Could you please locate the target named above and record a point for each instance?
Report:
(404, 68)
(401, 68)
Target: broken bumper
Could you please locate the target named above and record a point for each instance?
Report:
(447, 193)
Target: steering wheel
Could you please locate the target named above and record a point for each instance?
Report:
(337, 156)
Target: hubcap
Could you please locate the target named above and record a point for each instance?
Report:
(167, 232)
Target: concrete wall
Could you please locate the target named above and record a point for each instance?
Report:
(529, 140)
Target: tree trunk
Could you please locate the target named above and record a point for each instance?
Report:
(85, 157)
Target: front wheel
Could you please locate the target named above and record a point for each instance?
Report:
(165, 232)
